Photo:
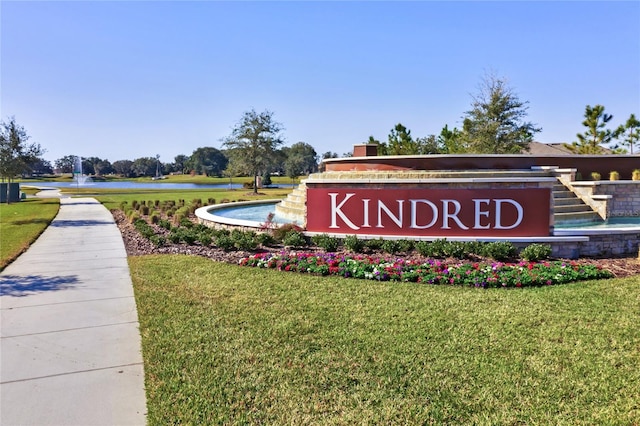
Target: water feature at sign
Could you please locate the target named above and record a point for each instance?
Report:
(249, 214)
(79, 178)
(435, 197)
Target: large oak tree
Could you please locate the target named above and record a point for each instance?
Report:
(253, 143)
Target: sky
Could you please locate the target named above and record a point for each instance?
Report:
(128, 79)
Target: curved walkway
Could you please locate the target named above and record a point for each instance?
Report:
(70, 350)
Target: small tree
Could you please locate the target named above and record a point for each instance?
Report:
(231, 170)
(179, 163)
(401, 142)
(301, 159)
(255, 139)
(449, 141)
(428, 145)
(495, 124)
(17, 155)
(596, 135)
(630, 132)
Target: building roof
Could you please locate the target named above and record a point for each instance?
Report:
(539, 148)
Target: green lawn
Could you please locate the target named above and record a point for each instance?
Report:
(226, 344)
(229, 345)
(112, 198)
(21, 223)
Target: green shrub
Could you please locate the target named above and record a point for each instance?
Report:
(353, 243)
(595, 176)
(164, 223)
(220, 232)
(536, 252)
(435, 248)
(211, 201)
(158, 240)
(474, 247)
(244, 240)
(500, 250)
(189, 237)
(374, 244)
(174, 236)
(265, 239)
(406, 246)
(294, 239)
(326, 242)
(154, 218)
(280, 232)
(205, 239)
(390, 246)
(184, 235)
(143, 209)
(225, 242)
(143, 228)
(455, 249)
(200, 227)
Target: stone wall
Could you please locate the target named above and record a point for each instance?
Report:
(616, 198)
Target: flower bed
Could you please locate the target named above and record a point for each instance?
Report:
(473, 274)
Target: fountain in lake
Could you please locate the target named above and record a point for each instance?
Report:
(78, 176)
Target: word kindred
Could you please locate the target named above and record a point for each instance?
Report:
(429, 212)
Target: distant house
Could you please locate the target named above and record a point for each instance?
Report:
(539, 148)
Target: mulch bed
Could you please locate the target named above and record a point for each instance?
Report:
(137, 245)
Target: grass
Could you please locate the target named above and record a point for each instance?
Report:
(230, 345)
(21, 223)
(112, 199)
(224, 344)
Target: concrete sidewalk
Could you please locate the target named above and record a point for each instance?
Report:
(70, 344)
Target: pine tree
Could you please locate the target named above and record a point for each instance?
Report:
(630, 132)
(596, 135)
(495, 124)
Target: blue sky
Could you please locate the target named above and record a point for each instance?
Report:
(123, 80)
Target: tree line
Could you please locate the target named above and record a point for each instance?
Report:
(296, 160)
(495, 124)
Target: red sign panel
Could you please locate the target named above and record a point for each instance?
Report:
(429, 212)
